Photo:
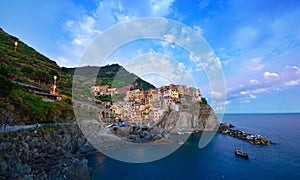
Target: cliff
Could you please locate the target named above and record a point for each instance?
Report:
(52, 152)
(204, 119)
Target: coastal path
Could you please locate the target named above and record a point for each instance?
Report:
(5, 129)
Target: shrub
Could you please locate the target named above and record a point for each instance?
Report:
(5, 86)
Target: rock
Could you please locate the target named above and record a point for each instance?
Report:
(77, 169)
(3, 168)
(86, 148)
(223, 127)
(132, 136)
(52, 149)
(183, 121)
(156, 137)
(29, 156)
(231, 126)
(27, 177)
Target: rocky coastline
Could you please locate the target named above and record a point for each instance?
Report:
(174, 122)
(256, 139)
(45, 153)
(58, 152)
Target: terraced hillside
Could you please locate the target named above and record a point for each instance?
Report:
(25, 65)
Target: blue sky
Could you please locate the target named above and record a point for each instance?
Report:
(257, 41)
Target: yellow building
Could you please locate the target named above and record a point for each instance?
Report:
(174, 94)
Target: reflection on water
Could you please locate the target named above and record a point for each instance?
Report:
(100, 159)
(144, 152)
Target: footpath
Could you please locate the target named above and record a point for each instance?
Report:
(8, 128)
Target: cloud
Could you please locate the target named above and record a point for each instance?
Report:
(160, 8)
(270, 76)
(254, 81)
(291, 73)
(198, 29)
(256, 64)
(258, 91)
(169, 37)
(62, 61)
(81, 29)
(253, 92)
(203, 3)
(244, 92)
(216, 94)
(158, 68)
(293, 83)
(194, 58)
(272, 81)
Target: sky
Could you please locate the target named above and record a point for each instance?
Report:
(257, 42)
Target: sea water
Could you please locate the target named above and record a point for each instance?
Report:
(217, 160)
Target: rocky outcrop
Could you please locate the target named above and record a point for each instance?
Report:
(138, 134)
(188, 121)
(248, 137)
(47, 153)
(183, 121)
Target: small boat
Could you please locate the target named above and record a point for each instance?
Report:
(241, 153)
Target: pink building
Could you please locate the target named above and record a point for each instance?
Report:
(124, 89)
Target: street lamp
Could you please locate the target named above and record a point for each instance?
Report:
(54, 86)
(16, 44)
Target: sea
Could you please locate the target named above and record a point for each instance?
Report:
(217, 160)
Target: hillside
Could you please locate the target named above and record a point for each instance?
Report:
(22, 63)
(107, 76)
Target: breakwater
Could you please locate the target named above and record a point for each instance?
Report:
(248, 137)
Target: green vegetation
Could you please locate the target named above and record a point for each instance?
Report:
(30, 108)
(5, 86)
(26, 108)
(203, 101)
(27, 65)
(112, 75)
(106, 98)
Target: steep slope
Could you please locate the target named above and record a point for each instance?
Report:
(22, 63)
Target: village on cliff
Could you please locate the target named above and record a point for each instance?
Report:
(138, 105)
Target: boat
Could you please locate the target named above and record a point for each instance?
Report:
(241, 153)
